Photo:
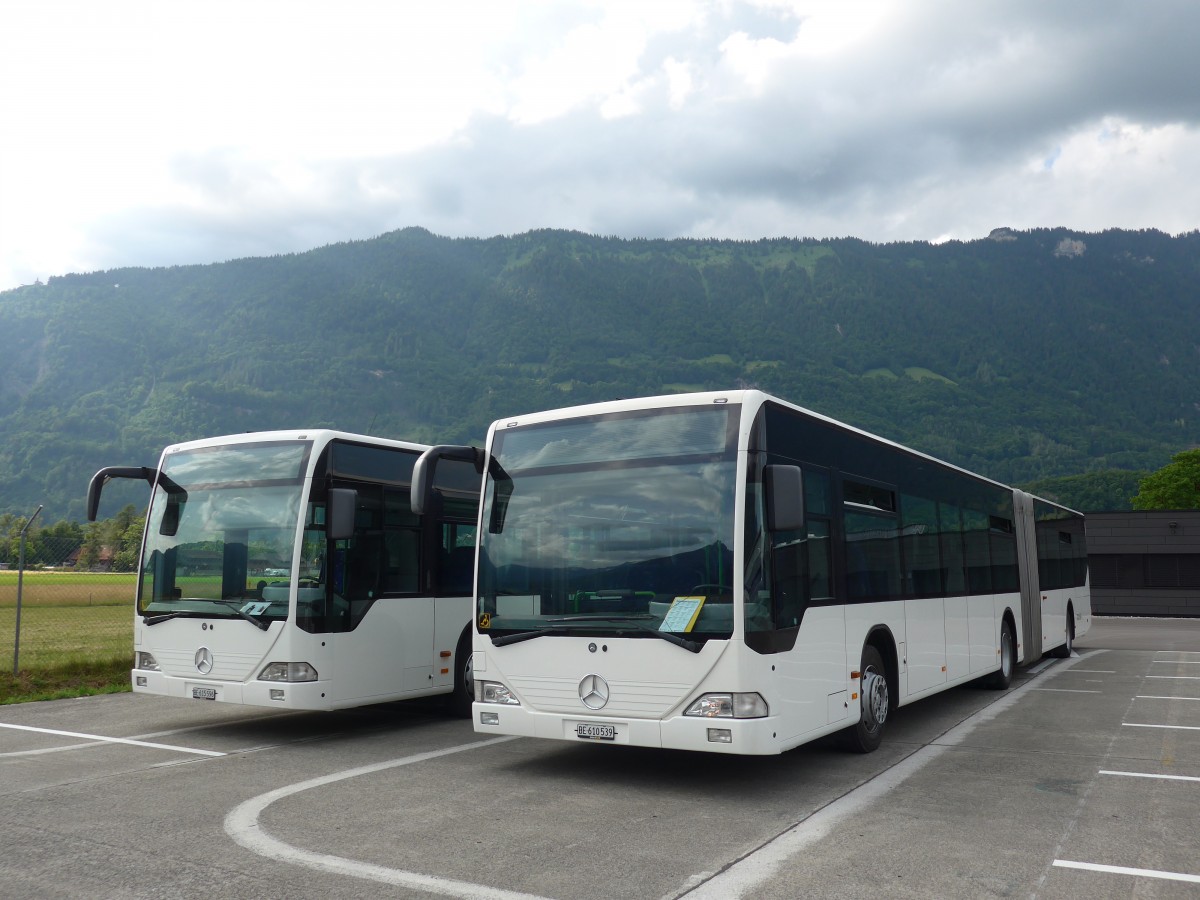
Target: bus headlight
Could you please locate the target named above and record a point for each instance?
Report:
(288, 671)
(145, 661)
(494, 692)
(729, 706)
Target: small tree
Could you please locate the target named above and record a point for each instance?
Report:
(93, 542)
(128, 545)
(1174, 486)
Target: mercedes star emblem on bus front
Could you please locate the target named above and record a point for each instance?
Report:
(593, 691)
(204, 660)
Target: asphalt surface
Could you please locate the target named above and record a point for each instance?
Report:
(1082, 780)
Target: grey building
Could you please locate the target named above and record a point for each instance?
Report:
(1145, 563)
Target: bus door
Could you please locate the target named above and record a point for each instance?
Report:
(386, 624)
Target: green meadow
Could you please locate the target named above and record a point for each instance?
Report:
(76, 634)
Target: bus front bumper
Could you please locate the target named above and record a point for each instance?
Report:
(312, 695)
(713, 735)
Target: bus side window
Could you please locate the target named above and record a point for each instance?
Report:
(950, 534)
(456, 560)
(801, 560)
(924, 573)
(403, 553)
(402, 538)
(790, 571)
(978, 553)
(361, 575)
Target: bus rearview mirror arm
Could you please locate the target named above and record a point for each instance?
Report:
(96, 485)
(421, 496)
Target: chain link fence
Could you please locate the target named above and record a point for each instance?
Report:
(72, 607)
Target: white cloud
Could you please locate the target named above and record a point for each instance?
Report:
(143, 133)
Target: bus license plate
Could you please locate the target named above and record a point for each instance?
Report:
(596, 732)
(204, 693)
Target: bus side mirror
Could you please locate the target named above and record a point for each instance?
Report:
(784, 490)
(341, 505)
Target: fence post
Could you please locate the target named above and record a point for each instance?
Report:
(20, 585)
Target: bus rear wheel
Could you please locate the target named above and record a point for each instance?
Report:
(1064, 652)
(876, 704)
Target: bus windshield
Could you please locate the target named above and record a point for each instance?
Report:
(606, 525)
(221, 529)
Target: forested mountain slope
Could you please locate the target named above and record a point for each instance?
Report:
(1022, 356)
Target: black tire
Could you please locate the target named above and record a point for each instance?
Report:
(1064, 652)
(459, 702)
(875, 704)
(1002, 677)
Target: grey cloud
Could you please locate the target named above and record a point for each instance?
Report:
(928, 127)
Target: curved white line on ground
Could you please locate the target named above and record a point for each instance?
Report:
(744, 876)
(242, 825)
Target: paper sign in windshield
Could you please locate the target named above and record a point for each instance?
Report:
(683, 614)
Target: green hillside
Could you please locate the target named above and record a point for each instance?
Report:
(1024, 356)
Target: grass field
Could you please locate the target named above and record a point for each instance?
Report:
(67, 589)
(58, 635)
(76, 635)
(109, 676)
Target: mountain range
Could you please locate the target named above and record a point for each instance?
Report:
(1024, 356)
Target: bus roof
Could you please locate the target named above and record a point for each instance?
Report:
(746, 397)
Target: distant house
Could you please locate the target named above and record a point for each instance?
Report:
(104, 559)
(1145, 563)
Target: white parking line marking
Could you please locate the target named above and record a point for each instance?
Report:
(1177, 662)
(1125, 870)
(242, 825)
(1156, 697)
(1148, 725)
(1177, 677)
(112, 740)
(1151, 775)
(743, 877)
(63, 748)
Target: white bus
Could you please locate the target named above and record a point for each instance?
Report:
(729, 572)
(287, 569)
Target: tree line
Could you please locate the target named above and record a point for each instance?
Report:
(116, 542)
(113, 543)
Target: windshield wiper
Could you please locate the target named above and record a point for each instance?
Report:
(197, 614)
(253, 620)
(154, 620)
(529, 635)
(637, 620)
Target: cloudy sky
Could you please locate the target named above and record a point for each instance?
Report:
(159, 133)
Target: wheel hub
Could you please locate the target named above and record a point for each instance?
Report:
(875, 699)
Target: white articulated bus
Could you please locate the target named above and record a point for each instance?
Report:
(287, 569)
(729, 572)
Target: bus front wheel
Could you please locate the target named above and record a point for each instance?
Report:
(460, 701)
(1002, 677)
(876, 704)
